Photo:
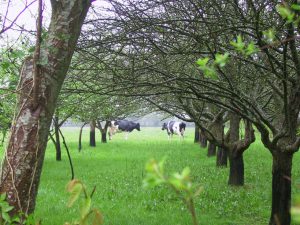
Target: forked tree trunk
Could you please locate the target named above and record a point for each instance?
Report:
(281, 188)
(236, 171)
(57, 139)
(211, 151)
(22, 164)
(103, 131)
(93, 133)
(221, 157)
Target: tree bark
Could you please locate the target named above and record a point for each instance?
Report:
(57, 139)
(211, 151)
(197, 134)
(236, 171)
(203, 140)
(23, 161)
(221, 157)
(103, 137)
(93, 133)
(281, 188)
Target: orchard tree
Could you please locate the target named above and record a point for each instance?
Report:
(41, 78)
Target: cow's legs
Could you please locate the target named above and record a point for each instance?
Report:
(110, 134)
(126, 135)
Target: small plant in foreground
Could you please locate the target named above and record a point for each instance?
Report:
(87, 214)
(6, 219)
(179, 182)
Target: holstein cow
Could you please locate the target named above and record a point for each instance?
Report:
(173, 127)
(122, 125)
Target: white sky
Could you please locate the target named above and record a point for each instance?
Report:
(27, 19)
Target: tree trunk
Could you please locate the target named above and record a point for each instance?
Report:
(221, 157)
(281, 188)
(93, 133)
(211, 151)
(203, 140)
(197, 134)
(103, 137)
(103, 131)
(236, 160)
(80, 137)
(236, 172)
(57, 139)
(22, 164)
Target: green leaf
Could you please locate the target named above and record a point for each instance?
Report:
(18, 220)
(5, 65)
(177, 183)
(210, 72)
(296, 7)
(269, 35)
(221, 59)
(251, 49)
(85, 207)
(152, 181)
(74, 187)
(3, 197)
(285, 13)
(238, 44)
(6, 216)
(202, 62)
(7, 208)
(186, 172)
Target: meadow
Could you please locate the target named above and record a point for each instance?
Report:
(117, 170)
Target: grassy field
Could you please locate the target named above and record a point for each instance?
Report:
(117, 170)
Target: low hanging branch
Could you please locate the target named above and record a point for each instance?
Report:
(68, 152)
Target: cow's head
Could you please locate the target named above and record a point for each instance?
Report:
(164, 126)
(182, 127)
(138, 127)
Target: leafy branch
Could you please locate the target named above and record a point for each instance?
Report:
(76, 188)
(179, 182)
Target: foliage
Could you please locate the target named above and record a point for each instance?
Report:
(75, 188)
(209, 70)
(6, 219)
(87, 214)
(10, 64)
(179, 182)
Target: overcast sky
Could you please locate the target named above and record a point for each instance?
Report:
(27, 19)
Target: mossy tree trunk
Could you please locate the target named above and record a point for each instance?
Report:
(23, 161)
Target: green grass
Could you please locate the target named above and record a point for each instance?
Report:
(117, 171)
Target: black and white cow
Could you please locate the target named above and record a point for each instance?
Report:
(173, 127)
(122, 125)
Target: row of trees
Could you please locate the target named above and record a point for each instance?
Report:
(249, 70)
(145, 53)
